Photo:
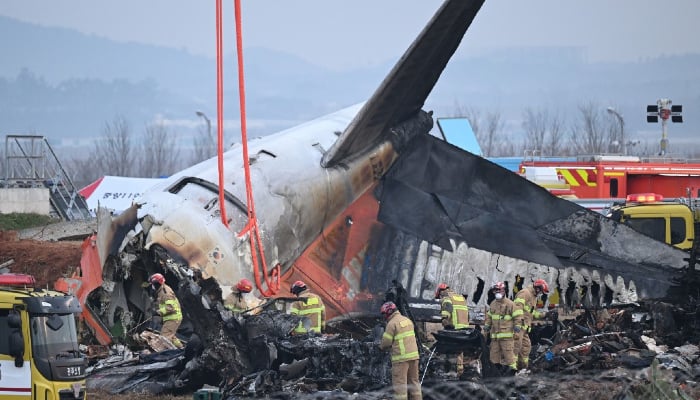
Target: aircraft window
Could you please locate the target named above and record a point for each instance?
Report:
(4, 332)
(652, 227)
(613, 187)
(677, 230)
(209, 200)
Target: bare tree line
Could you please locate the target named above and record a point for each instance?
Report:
(546, 132)
(155, 152)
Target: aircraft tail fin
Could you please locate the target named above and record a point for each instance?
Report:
(404, 90)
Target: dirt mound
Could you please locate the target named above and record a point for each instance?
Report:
(47, 261)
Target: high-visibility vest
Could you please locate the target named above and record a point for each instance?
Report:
(166, 297)
(525, 310)
(499, 319)
(401, 337)
(459, 317)
(313, 309)
(235, 302)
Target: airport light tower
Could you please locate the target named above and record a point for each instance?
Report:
(664, 109)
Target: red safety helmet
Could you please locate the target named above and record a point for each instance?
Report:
(387, 309)
(297, 287)
(439, 289)
(499, 287)
(157, 278)
(542, 285)
(244, 286)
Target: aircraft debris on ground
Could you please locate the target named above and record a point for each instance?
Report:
(363, 204)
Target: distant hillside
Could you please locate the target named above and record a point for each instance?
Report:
(61, 83)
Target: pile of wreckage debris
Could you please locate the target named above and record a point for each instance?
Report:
(629, 351)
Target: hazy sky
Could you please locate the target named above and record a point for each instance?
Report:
(341, 34)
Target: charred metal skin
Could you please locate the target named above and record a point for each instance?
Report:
(491, 225)
(302, 178)
(290, 190)
(438, 215)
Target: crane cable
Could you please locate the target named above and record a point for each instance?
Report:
(252, 228)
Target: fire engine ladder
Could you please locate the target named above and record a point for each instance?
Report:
(30, 162)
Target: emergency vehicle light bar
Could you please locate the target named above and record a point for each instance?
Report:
(644, 198)
(17, 280)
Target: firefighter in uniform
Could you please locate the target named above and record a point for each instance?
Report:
(168, 308)
(400, 337)
(311, 307)
(455, 315)
(525, 312)
(235, 302)
(499, 324)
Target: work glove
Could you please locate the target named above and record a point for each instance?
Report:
(486, 329)
(552, 315)
(516, 329)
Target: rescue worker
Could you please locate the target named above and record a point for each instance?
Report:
(499, 325)
(400, 336)
(168, 308)
(525, 312)
(236, 302)
(455, 315)
(312, 308)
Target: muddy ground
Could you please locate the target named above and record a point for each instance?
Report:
(49, 260)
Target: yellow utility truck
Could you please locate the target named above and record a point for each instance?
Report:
(673, 222)
(39, 354)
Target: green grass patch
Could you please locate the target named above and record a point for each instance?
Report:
(16, 221)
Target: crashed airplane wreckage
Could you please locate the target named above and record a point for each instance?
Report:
(351, 203)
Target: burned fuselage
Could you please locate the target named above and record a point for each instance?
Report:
(356, 202)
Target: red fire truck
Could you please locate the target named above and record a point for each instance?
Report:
(615, 177)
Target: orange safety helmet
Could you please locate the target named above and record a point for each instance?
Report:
(543, 285)
(440, 288)
(157, 278)
(297, 287)
(499, 287)
(387, 309)
(244, 286)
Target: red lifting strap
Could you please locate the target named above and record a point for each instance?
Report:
(256, 248)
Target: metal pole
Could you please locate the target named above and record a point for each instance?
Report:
(201, 114)
(623, 147)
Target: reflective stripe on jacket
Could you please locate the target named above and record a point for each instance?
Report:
(168, 305)
(454, 310)
(499, 319)
(235, 302)
(313, 309)
(525, 302)
(400, 336)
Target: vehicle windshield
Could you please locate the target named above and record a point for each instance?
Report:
(54, 336)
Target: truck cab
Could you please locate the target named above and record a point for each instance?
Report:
(39, 354)
(669, 222)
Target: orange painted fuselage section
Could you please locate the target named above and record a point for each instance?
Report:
(332, 265)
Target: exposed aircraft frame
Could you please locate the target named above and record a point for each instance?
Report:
(362, 198)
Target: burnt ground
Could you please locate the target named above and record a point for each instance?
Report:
(49, 260)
